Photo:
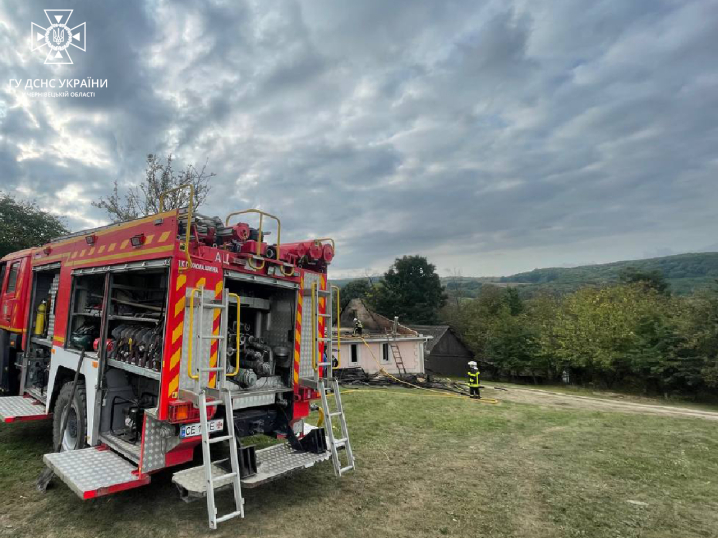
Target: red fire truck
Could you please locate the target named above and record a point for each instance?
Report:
(192, 333)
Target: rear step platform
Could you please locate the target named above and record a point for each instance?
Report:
(272, 463)
(94, 472)
(20, 408)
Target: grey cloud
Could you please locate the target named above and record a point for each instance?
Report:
(459, 130)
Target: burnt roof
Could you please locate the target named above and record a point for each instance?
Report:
(371, 321)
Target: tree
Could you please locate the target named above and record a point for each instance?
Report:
(653, 279)
(144, 199)
(513, 301)
(411, 289)
(24, 225)
(358, 288)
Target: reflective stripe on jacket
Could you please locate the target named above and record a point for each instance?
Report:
(474, 379)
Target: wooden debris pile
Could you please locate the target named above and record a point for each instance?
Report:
(357, 376)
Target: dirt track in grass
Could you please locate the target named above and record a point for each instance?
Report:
(550, 398)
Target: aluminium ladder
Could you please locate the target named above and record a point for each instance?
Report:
(220, 396)
(326, 382)
(398, 360)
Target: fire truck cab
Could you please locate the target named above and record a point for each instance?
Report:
(190, 333)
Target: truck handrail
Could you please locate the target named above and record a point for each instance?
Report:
(319, 240)
(236, 368)
(339, 328)
(190, 335)
(189, 217)
(261, 214)
(314, 307)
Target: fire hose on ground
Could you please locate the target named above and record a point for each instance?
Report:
(439, 392)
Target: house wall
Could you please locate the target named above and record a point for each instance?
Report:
(412, 353)
(449, 357)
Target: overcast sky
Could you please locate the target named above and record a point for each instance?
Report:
(492, 137)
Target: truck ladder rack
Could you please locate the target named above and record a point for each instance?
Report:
(213, 479)
(324, 381)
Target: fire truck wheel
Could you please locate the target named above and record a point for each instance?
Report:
(76, 430)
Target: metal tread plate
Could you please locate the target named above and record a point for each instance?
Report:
(272, 463)
(93, 472)
(279, 460)
(194, 482)
(127, 449)
(36, 393)
(17, 408)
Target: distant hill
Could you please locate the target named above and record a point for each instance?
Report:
(686, 273)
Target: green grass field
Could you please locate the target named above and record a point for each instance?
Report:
(427, 466)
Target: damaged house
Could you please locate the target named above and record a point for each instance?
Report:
(385, 343)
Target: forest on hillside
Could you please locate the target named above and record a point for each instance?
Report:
(632, 335)
(685, 273)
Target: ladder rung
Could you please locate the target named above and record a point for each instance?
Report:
(220, 439)
(218, 306)
(214, 369)
(324, 339)
(336, 414)
(212, 336)
(324, 364)
(325, 315)
(341, 441)
(326, 293)
(223, 476)
(231, 515)
(345, 469)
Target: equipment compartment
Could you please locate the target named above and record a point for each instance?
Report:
(136, 320)
(85, 311)
(134, 345)
(266, 335)
(43, 305)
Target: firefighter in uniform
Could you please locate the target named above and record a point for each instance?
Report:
(474, 380)
(358, 328)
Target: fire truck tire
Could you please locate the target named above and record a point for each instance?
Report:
(76, 430)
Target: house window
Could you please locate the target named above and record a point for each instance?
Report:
(385, 352)
(355, 354)
(12, 278)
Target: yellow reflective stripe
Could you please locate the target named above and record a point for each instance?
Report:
(181, 279)
(179, 306)
(174, 360)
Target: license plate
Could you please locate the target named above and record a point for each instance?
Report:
(193, 430)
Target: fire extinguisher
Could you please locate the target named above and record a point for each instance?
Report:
(40, 319)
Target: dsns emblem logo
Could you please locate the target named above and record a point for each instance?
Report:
(58, 36)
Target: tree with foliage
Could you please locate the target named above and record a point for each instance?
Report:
(24, 225)
(629, 335)
(652, 279)
(144, 199)
(498, 330)
(359, 288)
(411, 289)
(698, 359)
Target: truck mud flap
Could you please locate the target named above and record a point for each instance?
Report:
(21, 408)
(94, 472)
